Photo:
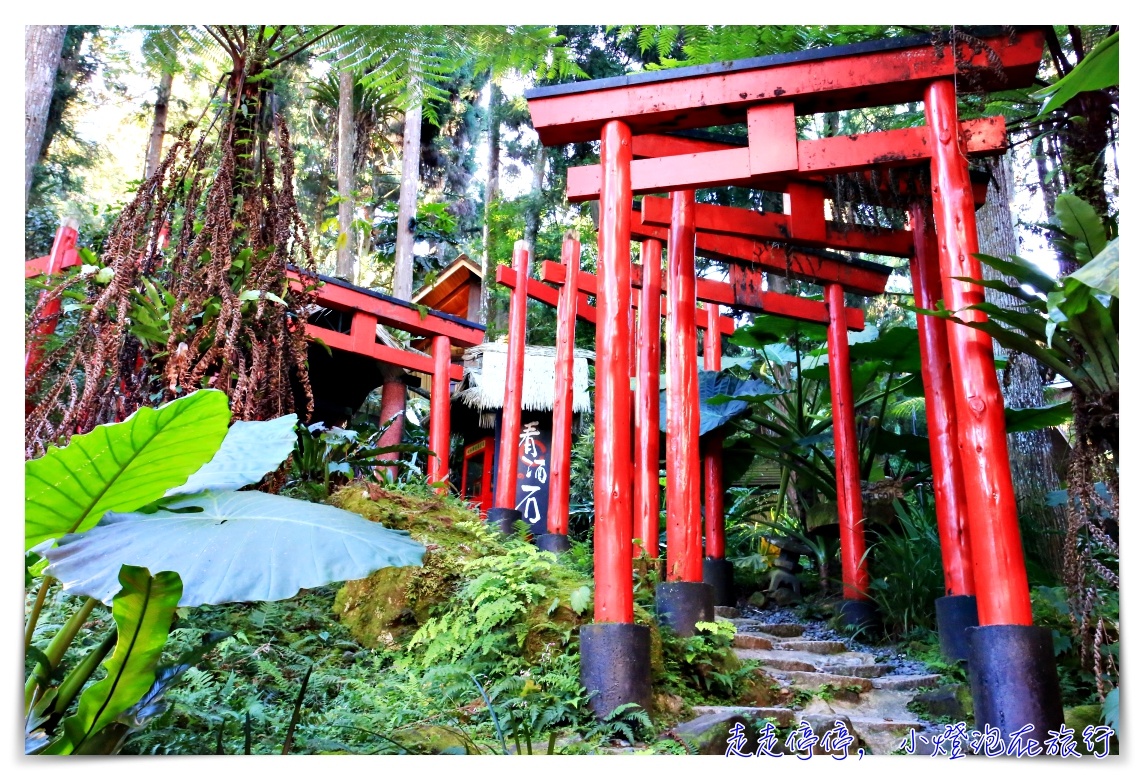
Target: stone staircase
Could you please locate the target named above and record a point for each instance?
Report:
(867, 696)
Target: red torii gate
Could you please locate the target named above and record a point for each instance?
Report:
(1011, 664)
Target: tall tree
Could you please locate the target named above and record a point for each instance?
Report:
(410, 181)
(492, 192)
(346, 262)
(43, 45)
(159, 123)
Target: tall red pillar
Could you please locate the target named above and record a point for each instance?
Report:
(1012, 672)
(439, 413)
(504, 513)
(855, 578)
(559, 475)
(647, 401)
(957, 609)
(65, 243)
(718, 572)
(684, 599)
(614, 652)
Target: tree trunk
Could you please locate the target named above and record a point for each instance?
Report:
(1030, 453)
(407, 198)
(492, 191)
(345, 260)
(159, 125)
(532, 216)
(43, 45)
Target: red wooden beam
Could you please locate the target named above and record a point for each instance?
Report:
(854, 276)
(393, 312)
(874, 73)
(743, 292)
(770, 226)
(382, 352)
(823, 156)
(538, 291)
(439, 413)
(663, 145)
(998, 563)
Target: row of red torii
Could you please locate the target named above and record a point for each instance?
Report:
(986, 616)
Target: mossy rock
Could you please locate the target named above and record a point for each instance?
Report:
(432, 741)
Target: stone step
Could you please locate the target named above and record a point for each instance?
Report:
(907, 682)
(751, 641)
(781, 629)
(777, 660)
(781, 715)
(883, 737)
(812, 646)
(868, 671)
(742, 624)
(727, 612)
(812, 680)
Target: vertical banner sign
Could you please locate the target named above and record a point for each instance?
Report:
(532, 469)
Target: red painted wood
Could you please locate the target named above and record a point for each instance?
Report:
(712, 447)
(394, 315)
(613, 474)
(684, 532)
(411, 360)
(439, 413)
(941, 416)
(559, 474)
(62, 255)
(855, 577)
(998, 563)
(647, 401)
(841, 154)
(775, 259)
(662, 145)
(772, 138)
(807, 213)
(842, 82)
(507, 452)
(391, 419)
(746, 293)
(770, 226)
(545, 294)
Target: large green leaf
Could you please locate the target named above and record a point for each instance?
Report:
(1079, 219)
(1103, 271)
(1024, 271)
(121, 466)
(1037, 417)
(143, 607)
(242, 546)
(1100, 69)
(722, 398)
(250, 451)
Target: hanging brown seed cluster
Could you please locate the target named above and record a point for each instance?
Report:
(214, 308)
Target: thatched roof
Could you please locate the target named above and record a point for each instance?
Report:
(485, 366)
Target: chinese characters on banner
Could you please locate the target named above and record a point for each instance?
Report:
(532, 470)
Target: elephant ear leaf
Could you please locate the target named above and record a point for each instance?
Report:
(143, 610)
(250, 451)
(121, 466)
(722, 397)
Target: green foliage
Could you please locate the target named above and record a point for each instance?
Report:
(702, 668)
(143, 611)
(1098, 70)
(723, 397)
(906, 571)
(121, 466)
(327, 458)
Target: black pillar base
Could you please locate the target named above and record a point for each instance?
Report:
(556, 543)
(504, 520)
(615, 665)
(719, 573)
(680, 605)
(860, 615)
(1013, 679)
(954, 615)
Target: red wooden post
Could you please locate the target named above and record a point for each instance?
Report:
(999, 565)
(1012, 671)
(514, 383)
(64, 245)
(613, 536)
(560, 472)
(439, 413)
(941, 416)
(615, 653)
(647, 402)
(855, 578)
(957, 609)
(684, 544)
(713, 452)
